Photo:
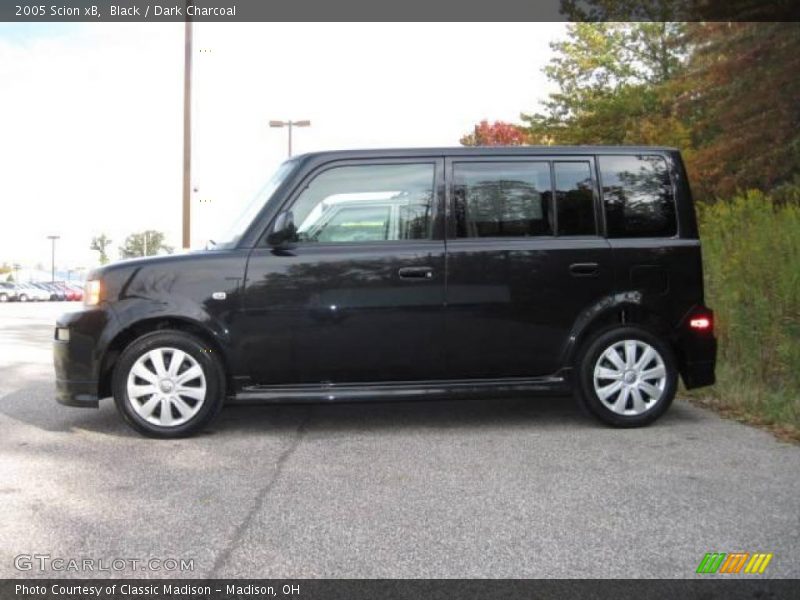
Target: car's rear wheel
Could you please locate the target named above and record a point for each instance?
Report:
(168, 384)
(627, 377)
(3, 297)
(23, 297)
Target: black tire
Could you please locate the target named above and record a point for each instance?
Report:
(212, 371)
(23, 298)
(3, 297)
(585, 384)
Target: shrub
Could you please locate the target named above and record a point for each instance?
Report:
(751, 257)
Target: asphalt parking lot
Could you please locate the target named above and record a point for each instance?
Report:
(479, 488)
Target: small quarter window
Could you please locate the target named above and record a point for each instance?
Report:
(574, 198)
(637, 195)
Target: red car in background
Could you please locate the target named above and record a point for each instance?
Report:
(73, 292)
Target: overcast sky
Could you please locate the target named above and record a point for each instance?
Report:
(91, 114)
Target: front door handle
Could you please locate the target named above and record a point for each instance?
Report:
(415, 273)
(584, 269)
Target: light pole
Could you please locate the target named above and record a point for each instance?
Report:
(53, 239)
(290, 125)
(187, 133)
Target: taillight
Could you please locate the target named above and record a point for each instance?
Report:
(700, 323)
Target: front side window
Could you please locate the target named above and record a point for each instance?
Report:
(637, 195)
(367, 203)
(502, 199)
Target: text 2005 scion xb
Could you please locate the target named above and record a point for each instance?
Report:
(387, 274)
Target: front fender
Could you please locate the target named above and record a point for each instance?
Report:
(135, 312)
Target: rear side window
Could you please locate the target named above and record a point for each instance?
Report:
(637, 195)
(497, 199)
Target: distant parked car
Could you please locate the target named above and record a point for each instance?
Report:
(74, 292)
(28, 291)
(8, 292)
(55, 290)
(45, 287)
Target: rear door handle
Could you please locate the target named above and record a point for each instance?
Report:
(584, 269)
(415, 273)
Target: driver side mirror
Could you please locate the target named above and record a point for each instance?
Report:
(283, 230)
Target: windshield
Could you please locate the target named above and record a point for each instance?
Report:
(230, 236)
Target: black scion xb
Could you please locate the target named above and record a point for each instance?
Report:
(389, 274)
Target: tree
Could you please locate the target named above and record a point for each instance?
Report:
(740, 97)
(99, 244)
(499, 133)
(146, 243)
(613, 81)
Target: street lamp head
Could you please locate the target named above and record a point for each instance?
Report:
(53, 237)
(302, 123)
(276, 123)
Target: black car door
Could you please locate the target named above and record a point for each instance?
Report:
(359, 296)
(525, 259)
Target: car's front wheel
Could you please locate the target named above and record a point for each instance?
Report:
(3, 297)
(23, 298)
(627, 377)
(168, 384)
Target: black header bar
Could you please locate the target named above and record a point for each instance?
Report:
(395, 10)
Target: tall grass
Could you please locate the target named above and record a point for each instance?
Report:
(751, 256)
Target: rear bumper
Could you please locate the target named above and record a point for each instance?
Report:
(699, 374)
(697, 353)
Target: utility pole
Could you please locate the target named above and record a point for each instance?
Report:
(290, 125)
(53, 239)
(187, 132)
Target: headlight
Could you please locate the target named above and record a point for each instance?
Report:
(91, 295)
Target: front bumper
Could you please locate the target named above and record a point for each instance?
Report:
(77, 361)
(77, 393)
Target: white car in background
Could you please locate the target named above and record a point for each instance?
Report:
(8, 291)
(27, 292)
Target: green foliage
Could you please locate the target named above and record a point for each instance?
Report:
(751, 255)
(99, 244)
(145, 243)
(727, 94)
(612, 80)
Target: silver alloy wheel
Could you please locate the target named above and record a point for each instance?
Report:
(166, 387)
(630, 377)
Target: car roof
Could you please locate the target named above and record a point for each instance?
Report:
(468, 151)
